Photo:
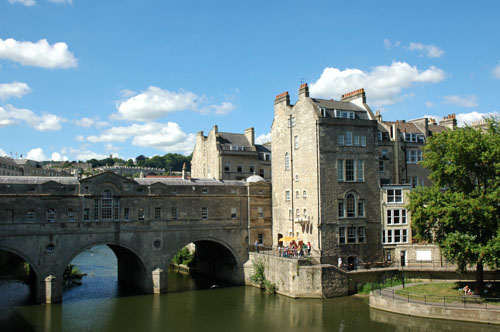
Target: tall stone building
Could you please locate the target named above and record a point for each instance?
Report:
(230, 156)
(325, 175)
(330, 159)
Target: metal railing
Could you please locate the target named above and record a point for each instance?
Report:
(434, 264)
(467, 301)
(291, 254)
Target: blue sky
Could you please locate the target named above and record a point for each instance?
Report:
(84, 79)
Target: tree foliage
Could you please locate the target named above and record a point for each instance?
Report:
(460, 211)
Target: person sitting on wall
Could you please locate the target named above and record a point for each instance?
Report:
(467, 290)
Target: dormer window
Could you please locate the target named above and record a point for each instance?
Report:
(344, 114)
(322, 111)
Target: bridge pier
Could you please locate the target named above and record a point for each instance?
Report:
(159, 281)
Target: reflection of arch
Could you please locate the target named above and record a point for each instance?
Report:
(24, 257)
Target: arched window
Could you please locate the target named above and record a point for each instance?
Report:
(287, 161)
(107, 205)
(350, 205)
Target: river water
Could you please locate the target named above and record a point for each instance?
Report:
(192, 305)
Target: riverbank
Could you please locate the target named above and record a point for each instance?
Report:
(390, 300)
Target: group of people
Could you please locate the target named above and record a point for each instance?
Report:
(294, 251)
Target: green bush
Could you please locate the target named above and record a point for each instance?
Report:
(183, 257)
(259, 278)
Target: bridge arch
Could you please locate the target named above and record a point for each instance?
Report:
(214, 257)
(25, 257)
(132, 268)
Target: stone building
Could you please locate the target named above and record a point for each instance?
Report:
(330, 160)
(110, 197)
(230, 156)
(326, 176)
(9, 167)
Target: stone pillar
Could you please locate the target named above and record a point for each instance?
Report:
(52, 291)
(159, 281)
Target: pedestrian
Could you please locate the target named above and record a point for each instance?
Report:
(257, 246)
(340, 262)
(308, 248)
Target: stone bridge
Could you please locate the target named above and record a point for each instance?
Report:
(49, 221)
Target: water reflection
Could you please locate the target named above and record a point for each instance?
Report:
(101, 304)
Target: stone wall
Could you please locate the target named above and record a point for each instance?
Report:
(299, 281)
(440, 312)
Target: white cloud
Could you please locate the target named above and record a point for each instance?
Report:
(168, 137)
(79, 138)
(155, 103)
(85, 155)
(101, 124)
(13, 90)
(431, 51)
(264, 138)
(388, 44)
(56, 156)
(223, 109)
(468, 118)
(496, 72)
(3, 153)
(84, 122)
(27, 3)
(467, 101)
(36, 154)
(383, 84)
(47, 122)
(429, 104)
(62, 2)
(110, 147)
(39, 54)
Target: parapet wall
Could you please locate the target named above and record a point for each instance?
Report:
(431, 311)
(299, 281)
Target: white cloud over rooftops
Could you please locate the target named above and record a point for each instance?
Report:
(383, 84)
(467, 118)
(39, 54)
(466, 101)
(167, 137)
(263, 138)
(155, 103)
(9, 115)
(13, 90)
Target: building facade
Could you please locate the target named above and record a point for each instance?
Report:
(325, 176)
(230, 156)
(330, 159)
(110, 197)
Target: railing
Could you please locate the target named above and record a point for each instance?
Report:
(433, 265)
(468, 301)
(291, 254)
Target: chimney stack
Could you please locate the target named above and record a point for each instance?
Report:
(282, 97)
(303, 91)
(449, 121)
(250, 135)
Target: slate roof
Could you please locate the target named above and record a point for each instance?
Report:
(263, 148)
(66, 180)
(191, 182)
(331, 105)
(407, 127)
(234, 139)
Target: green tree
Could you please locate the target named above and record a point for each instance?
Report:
(460, 211)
